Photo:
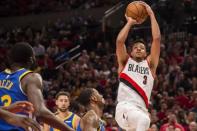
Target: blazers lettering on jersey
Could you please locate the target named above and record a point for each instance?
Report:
(132, 84)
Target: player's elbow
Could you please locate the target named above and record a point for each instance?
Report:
(157, 38)
(40, 111)
(119, 42)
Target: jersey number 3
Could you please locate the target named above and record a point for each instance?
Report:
(145, 80)
(6, 100)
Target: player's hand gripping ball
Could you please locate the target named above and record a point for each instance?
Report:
(137, 11)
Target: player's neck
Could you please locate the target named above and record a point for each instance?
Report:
(14, 67)
(96, 109)
(63, 114)
(138, 59)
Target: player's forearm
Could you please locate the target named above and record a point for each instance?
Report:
(122, 36)
(47, 117)
(155, 28)
(7, 108)
(3, 114)
(4, 107)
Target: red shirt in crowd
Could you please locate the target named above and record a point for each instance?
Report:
(168, 126)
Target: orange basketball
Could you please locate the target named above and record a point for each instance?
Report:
(137, 11)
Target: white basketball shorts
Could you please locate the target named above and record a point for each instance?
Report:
(131, 117)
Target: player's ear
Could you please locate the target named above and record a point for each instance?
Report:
(145, 55)
(69, 103)
(93, 98)
(31, 60)
(32, 63)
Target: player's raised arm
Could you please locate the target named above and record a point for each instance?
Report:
(156, 36)
(32, 85)
(121, 50)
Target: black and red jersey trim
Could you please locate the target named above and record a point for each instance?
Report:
(124, 78)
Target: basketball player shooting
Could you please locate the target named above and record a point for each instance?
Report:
(136, 73)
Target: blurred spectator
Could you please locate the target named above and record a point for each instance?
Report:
(52, 50)
(38, 48)
(153, 127)
(172, 124)
(192, 126)
(110, 126)
(191, 117)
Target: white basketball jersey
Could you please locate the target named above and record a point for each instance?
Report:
(136, 83)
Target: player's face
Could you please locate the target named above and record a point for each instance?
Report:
(154, 127)
(63, 103)
(100, 100)
(138, 51)
(32, 61)
(193, 126)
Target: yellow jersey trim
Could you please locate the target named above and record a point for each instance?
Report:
(8, 71)
(74, 122)
(20, 77)
(25, 73)
(70, 114)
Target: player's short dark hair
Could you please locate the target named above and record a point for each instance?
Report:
(62, 93)
(21, 53)
(85, 96)
(137, 41)
(75, 106)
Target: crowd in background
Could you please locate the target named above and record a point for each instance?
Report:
(174, 98)
(24, 7)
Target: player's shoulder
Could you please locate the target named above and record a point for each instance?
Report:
(90, 114)
(32, 76)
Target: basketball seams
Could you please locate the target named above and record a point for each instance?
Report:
(142, 13)
(144, 16)
(133, 13)
(137, 10)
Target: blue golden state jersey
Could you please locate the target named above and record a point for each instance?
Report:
(10, 92)
(72, 120)
(101, 127)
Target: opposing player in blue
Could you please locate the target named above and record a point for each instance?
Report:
(94, 103)
(18, 83)
(63, 113)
